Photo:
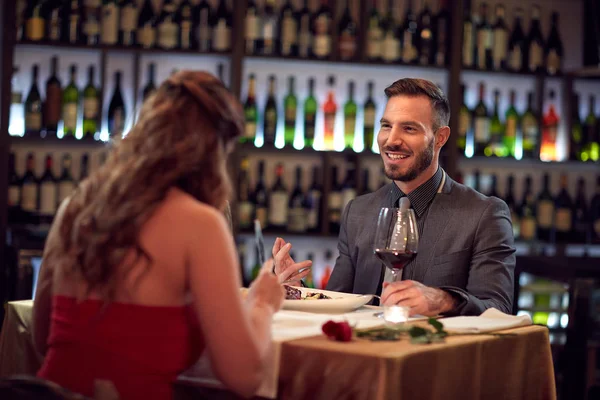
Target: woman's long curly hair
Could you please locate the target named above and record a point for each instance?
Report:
(180, 141)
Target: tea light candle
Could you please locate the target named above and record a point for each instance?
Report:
(395, 315)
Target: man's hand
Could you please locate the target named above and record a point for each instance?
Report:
(421, 299)
(285, 268)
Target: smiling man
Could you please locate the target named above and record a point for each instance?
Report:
(465, 262)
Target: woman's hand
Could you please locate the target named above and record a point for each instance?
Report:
(265, 290)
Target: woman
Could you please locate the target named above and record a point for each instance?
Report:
(140, 273)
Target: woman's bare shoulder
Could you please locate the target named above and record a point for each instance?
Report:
(182, 207)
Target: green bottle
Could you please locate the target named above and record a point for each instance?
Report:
(270, 115)
(481, 123)
(91, 106)
(290, 105)
(309, 281)
(250, 112)
(310, 115)
(369, 119)
(350, 110)
(593, 145)
(70, 105)
(531, 130)
(465, 122)
(577, 150)
(512, 127)
(495, 146)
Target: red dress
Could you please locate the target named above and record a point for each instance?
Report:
(141, 349)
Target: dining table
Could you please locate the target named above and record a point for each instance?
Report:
(494, 356)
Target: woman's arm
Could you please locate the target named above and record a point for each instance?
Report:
(237, 335)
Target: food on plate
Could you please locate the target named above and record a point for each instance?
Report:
(316, 296)
(292, 293)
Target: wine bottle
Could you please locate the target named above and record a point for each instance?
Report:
(313, 202)
(329, 112)
(305, 35)
(290, 105)
(309, 281)
(595, 213)
(167, 29)
(222, 28)
(409, 36)
(531, 131)
(203, 20)
(250, 112)
(48, 191)
(91, 22)
(366, 187)
(146, 31)
(70, 106)
(269, 29)
(33, 106)
(74, 22)
(221, 73)
(349, 187)
(150, 87)
(116, 111)
(577, 149)
(270, 115)
(392, 37)
(261, 197)
(554, 48)
(35, 25)
(334, 203)
(517, 49)
(477, 181)
(465, 123)
(442, 35)
(549, 132)
(252, 28)
(374, 33)
(289, 30)
(186, 32)
(322, 31)
(484, 39)
(512, 130)
(370, 110)
(545, 211)
(425, 36)
(347, 35)
(84, 167)
(297, 211)
(590, 126)
(128, 23)
(91, 107)
(14, 185)
(350, 110)
(310, 115)
(563, 209)
(581, 215)
(527, 213)
(500, 40)
(245, 206)
(52, 112)
(535, 42)
(509, 198)
(55, 24)
(493, 187)
(481, 123)
(66, 183)
(20, 8)
(278, 201)
(16, 116)
(468, 45)
(29, 186)
(110, 22)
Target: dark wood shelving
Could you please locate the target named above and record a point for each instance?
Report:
(249, 148)
(285, 234)
(511, 73)
(53, 140)
(117, 48)
(506, 162)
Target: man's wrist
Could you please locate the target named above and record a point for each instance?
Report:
(449, 302)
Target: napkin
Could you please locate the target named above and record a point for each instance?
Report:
(489, 321)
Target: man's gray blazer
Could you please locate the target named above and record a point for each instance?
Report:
(466, 247)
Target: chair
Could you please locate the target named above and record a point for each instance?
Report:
(25, 387)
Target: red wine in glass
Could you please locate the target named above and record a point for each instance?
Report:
(395, 260)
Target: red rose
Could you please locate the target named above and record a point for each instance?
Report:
(340, 331)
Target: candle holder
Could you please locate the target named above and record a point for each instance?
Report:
(395, 316)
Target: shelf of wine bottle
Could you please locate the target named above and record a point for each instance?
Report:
(39, 139)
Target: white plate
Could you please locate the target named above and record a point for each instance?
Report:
(339, 302)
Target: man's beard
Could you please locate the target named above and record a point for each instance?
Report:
(422, 161)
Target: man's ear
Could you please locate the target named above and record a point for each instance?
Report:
(441, 136)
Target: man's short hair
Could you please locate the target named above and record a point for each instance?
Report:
(423, 87)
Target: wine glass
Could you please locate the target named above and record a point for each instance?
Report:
(397, 238)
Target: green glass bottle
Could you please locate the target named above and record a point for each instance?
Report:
(531, 130)
(91, 107)
(310, 115)
(350, 110)
(495, 146)
(512, 127)
(250, 112)
(577, 151)
(70, 105)
(481, 123)
(290, 105)
(593, 145)
(465, 123)
(270, 115)
(369, 119)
